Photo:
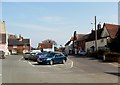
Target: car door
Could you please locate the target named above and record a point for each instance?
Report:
(58, 58)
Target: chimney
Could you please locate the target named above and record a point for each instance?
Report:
(20, 38)
(92, 31)
(99, 26)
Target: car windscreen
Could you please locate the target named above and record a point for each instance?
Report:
(49, 55)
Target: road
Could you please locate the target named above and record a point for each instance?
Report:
(76, 70)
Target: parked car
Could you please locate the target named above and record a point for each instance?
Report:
(65, 54)
(2, 54)
(82, 53)
(34, 56)
(26, 55)
(51, 58)
(30, 53)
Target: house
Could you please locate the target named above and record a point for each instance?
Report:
(79, 44)
(68, 47)
(3, 37)
(18, 45)
(46, 46)
(104, 36)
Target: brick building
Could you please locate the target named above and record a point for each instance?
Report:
(46, 46)
(18, 45)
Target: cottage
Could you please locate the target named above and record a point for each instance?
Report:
(79, 44)
(104, 36)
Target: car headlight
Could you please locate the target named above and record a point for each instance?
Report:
(48, 59)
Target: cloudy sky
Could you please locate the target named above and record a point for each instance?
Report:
(55, 20)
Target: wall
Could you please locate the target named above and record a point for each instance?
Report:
(18, 49)
(101, 43)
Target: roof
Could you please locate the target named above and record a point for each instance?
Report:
(91, 36)
(112, 29)
(68, 43)
(18, 42)
(82, 37)
(78, 36)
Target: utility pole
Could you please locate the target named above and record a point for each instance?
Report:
(96, 47)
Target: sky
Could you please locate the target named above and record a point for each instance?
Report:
(55, 20)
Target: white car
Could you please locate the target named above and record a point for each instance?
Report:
(82, 53)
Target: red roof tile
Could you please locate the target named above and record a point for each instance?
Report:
(112, 29)
(78, 36)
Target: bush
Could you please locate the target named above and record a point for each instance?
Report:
(93, 54)
(112, 56)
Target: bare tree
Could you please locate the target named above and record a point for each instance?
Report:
(49, 41)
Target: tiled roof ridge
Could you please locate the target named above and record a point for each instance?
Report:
(112, 24)
(112, 29)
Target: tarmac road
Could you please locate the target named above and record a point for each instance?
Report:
(76, 70)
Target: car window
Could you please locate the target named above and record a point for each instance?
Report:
(58, 55)
(27, 53)
(50, 55)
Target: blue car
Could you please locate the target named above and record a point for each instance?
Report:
(52, 58)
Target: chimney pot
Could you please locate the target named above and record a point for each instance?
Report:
(99, 26)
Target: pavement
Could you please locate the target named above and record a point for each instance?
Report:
(76, 70)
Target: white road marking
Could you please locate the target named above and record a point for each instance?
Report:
(71, 63)
(22, 59)
(38, 65)
(114, 64)
(31, 64)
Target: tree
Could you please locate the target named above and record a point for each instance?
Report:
(49, 41)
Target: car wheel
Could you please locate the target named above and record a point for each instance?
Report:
(26, 58)
(63, 61)
(51, 62)
(39, 62)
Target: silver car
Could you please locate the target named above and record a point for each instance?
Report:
(26, 55)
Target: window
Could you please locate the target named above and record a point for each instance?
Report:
(14, 46)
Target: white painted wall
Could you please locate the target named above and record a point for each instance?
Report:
(49, 49)
(4, 48)
(68, 48)
(101, 43)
